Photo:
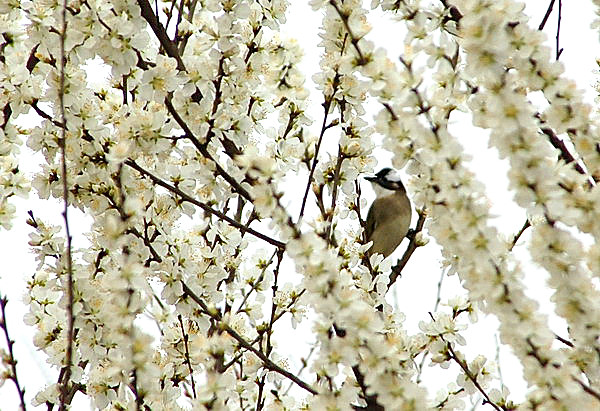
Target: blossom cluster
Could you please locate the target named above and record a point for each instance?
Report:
(16, 85)
(192, 258)
(416, 125)
(553, 193)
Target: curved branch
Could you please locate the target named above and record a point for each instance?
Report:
(412, 246)
(268, 364)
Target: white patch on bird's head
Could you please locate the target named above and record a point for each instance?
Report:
(391, 175)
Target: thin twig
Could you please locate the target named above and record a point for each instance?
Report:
(502, 386)
(438, 299)
(438, 296)
(179, 16)
(64, 389)
(553, 138)
(547, 15)
(558, 49)
(526, 225)
(463, 364)
(259, 337)
(11, 357)
(189, 17)
(273, 303)
(187, 353)
(326, 106)
(304, 365)
(564, 341)
(260, 401)
(354, 40)
(255, 284)
(324, 127)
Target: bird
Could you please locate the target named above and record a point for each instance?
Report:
(388, 220)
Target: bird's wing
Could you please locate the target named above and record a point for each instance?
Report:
(370, 224)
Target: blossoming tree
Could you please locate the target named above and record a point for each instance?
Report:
(182, 158)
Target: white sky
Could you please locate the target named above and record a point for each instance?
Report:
(416, 291)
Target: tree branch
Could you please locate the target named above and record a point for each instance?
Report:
(11, 357)
(558, 49)
(62, 143)
(204, 151)
(547, 15)
(587, 388)
(187, 353)
(161, 33)
(526, 225)
(412, 246)
(208, 209)
(463, 364)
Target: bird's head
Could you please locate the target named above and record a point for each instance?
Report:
(387, 178)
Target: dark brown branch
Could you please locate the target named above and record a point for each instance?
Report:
(161, 33)
(526, 225)
(324, 126)
(371, 400)
(558, 49)
(547, 15)
(43, 114)
(564, 341)
(187, 353)
(412, 246)
(204, 151)
(565, 154)
(208, 209)
(11, 357)
(587, 389)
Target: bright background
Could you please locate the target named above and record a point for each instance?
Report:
(415, 293)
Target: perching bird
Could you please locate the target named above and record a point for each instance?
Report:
(389, 217)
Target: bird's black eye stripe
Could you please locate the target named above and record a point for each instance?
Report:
(383, 172)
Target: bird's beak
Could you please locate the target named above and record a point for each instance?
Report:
(371, 178)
